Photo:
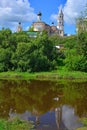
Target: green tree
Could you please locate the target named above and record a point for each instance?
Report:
(20, 58)
(5, 56)
(76, 50)
(38, 62)
(22, 37)
(44, 56)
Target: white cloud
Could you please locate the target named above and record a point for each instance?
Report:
(72, 9)
(14, 11)
(54, 17)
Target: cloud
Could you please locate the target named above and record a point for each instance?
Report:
(13, 11)
(72, 9)
(55, 16)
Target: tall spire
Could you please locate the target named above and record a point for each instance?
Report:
(60, 10)
(60, 21)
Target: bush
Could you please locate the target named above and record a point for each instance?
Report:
(15, 124)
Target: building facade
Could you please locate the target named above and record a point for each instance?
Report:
(39, 25)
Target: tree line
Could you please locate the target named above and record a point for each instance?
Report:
(19, 52)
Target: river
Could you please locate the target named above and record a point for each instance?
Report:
(50, 105)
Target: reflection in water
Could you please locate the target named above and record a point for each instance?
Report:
(69, 118)
(51, 105)
(58, 116)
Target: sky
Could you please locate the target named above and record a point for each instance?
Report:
(25, 11)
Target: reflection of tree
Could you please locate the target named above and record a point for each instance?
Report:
(25, 95)
(39, 95)
(75, 96)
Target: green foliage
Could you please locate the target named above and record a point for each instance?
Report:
(82, 128)
(38, 62)
(39, 55)
(70, 42)
(84, 120)
(21, 37)
(82, 43)
(20, 57)
(76, 53)
(72, 61)
(18, 52)
(75, 61)
(31, 29)
(15, 124)
(5, 55)
(57, 40)
(6, 33)
(76, 50)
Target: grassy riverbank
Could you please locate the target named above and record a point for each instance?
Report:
(15, 124)
(57, 74)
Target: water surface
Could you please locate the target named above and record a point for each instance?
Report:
(51, 105)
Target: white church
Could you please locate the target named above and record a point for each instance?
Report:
(39, 25)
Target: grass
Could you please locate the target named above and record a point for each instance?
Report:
(57, 74)
(84, 121)
(82, 128)
(15, 124)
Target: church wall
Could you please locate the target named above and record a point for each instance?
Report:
(39, 26)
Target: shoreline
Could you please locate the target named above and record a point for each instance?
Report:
(53, 75)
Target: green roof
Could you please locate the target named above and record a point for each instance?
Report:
(32, 33)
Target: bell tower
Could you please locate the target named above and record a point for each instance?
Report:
(19, 27)
(60, 22)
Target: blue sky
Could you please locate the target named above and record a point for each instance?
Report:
(49, 7)
(25, 11)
